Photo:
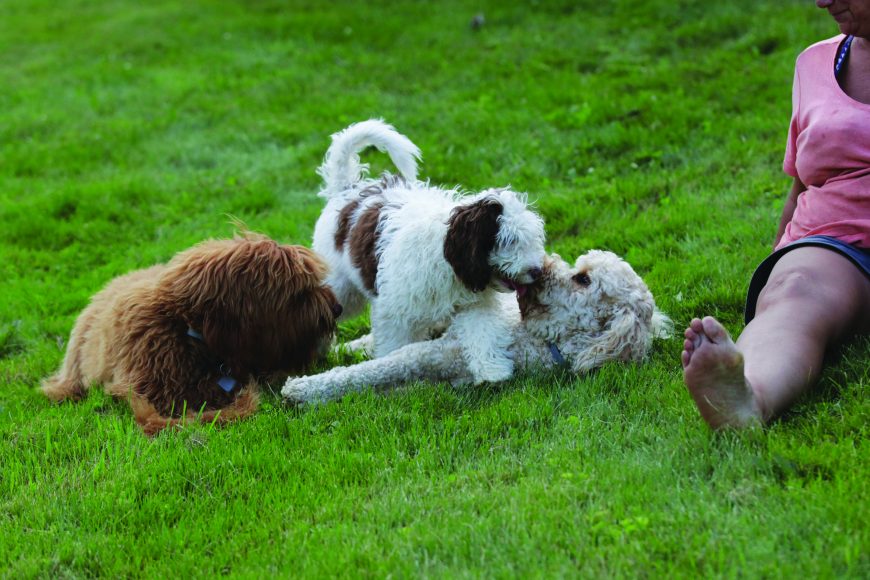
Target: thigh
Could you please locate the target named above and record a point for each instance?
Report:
(821, 287)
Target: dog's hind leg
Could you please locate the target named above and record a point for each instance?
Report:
(69, 381)
(60, 388)
(364, 345)
(392, 332)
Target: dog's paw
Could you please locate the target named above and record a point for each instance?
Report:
(492, 372)
(462, 381)
(364, 345)
(492, 377)
(296, 392)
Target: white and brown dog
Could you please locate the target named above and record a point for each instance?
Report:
(578, 317)
(423, 256)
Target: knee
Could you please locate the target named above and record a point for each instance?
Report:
(787, 286)
(802, 286)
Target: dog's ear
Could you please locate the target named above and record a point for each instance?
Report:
(305, 271)
(256, 303)
(211, 271)
(471, 234)
(626, 337)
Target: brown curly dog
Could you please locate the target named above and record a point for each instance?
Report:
(191, 339)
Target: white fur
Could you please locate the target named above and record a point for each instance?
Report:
(341, 168)
(614, 317)
(417, 291)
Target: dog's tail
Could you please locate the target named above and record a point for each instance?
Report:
(662, 326)
(341, 166)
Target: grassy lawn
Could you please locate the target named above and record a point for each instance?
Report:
(129, 130)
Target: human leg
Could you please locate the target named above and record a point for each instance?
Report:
(814, 298)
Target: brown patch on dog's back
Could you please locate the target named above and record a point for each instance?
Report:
(346, 213)
(363, 241)
(344, 224)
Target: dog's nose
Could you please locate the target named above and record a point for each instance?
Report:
(535, 273)
(337, 309)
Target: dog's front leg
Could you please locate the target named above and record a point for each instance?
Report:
(434, 360)
(484, 335)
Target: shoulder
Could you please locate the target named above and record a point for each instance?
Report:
(821, 53)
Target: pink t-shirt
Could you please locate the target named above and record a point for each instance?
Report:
(829, 150)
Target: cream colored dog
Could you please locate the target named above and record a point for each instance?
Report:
(579, 317)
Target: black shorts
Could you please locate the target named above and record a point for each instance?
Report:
(859, 256)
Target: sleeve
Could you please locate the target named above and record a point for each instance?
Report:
(789, 164)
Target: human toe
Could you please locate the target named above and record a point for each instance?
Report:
(688, 345)
(697, 326)
(692, 338)
(714, 329)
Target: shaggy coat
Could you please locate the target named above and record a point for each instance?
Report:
(192, 338)
(578, 317)
(423, 256)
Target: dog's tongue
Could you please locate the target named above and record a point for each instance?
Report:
(520, 289)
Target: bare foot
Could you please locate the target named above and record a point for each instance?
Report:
(713, 371)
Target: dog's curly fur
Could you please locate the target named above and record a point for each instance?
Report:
(581, 317)
(423, 256)
(248, 308)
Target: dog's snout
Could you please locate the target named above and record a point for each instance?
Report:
(536, 273)
(337, 309)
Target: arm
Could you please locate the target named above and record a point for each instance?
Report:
(797, 188)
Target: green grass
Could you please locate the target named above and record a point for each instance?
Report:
(128, 131)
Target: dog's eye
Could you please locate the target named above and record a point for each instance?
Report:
(582, 278)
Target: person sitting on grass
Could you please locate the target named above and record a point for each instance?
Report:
(813, 292)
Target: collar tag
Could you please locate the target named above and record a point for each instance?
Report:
(194, 334)
(554, 352)
(227, 383)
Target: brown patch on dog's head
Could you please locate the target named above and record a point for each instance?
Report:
(363, 245)
(470, 240)
(344, 224)
(261, 307)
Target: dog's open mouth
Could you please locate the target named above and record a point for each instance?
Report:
(528, 302)
(515, 286)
